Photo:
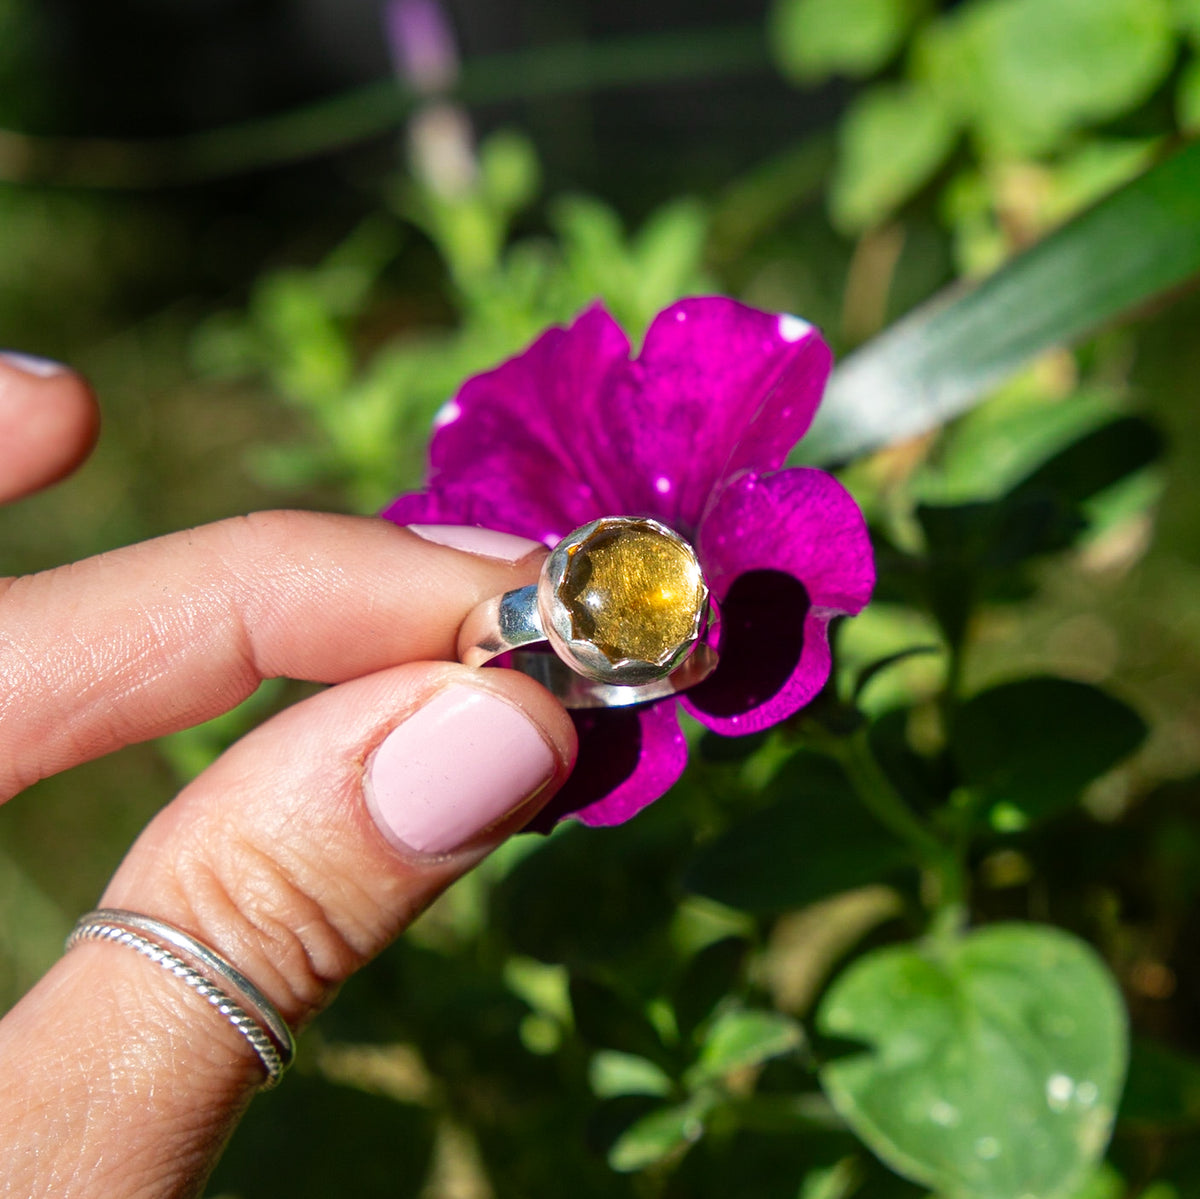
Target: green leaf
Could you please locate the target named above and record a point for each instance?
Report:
(807, 845)
(610, 1020)
(624, 911)
(1163, 1091)
(739, 1039)
(612, 1073)
(264, 1157)
(656, 1136)
(1097, 461)
(980, 551)
(946, 356)
(839, 1181)
(509, 171)
(1187, 98)
(1030, 747)
(997, 446)
(892, 140)
(710, 975)
(994, 1063)
(1034, 70)
(1187, 18)
(1102, 1183)
(812, 39)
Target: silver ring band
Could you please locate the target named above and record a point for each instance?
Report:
(603, 596)
(242, 1004)
(509, 622)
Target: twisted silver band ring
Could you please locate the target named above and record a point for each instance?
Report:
(623, 605)
(238, 1000)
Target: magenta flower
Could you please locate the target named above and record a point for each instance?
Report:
(693, 433)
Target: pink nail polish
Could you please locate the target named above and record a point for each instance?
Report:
(43, 368)
(487, 543)
(454, 768)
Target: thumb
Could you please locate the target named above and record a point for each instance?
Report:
(297, 856)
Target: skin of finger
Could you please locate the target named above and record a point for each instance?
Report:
(159, 636)
(270, 856)
(102, 1070)
(48, 425)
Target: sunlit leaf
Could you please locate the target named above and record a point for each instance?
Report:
(1187, 98)
(739, 1039)
(613, 1073)
(994, 1063)
(891, 142)
(509, 171)
(998, 445)
(656, 1136)
(815, 38)
(1102, 1183)
(1028, 72)
(1187, 17)
(949, 354)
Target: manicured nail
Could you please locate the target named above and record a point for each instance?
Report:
(454, 768)
(43, 368)
(487, 543)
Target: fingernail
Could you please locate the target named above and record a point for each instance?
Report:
(43, 368)
(487, 543)
(454, 768)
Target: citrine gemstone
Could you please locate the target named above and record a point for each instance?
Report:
(634, 591)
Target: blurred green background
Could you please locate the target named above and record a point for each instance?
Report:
(275, 258)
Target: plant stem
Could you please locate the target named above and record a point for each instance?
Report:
(887, 805)
(881, 799)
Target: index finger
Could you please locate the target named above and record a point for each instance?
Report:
(156, 637)
(48, 423)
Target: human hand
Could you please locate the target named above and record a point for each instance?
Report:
(302, 851)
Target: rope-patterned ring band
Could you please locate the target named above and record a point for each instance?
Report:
(243, 1004)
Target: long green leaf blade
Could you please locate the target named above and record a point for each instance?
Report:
(943, 358)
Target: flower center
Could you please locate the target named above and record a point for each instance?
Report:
(634, 590)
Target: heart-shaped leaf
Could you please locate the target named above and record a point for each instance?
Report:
(994, 1065)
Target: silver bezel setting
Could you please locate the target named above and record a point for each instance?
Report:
(582, 655)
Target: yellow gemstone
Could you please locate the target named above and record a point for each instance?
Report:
(633, 592)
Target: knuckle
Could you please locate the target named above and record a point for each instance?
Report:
(271, 919)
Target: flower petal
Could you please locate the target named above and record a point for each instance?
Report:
(718, 387)
(774, 645)
(505, 494)
(512, 449)
(628, 758)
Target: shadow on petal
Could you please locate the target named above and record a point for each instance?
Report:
(610, 749)
(628, 758)
(762, 639)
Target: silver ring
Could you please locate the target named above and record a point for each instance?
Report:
(623, 605)
(242, 1004)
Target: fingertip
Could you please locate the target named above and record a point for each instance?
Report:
(49, 422)
(469, 766)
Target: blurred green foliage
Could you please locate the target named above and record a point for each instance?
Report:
(1007, 104)
(893, 947)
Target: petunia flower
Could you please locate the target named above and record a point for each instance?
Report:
(692, 432)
